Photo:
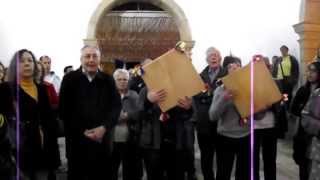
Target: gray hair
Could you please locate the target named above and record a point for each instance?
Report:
(211, 50)
(91, 46)
(121, 71)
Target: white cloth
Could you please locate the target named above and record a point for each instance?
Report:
(90, 78)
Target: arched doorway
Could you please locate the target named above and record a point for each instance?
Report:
(132, 30)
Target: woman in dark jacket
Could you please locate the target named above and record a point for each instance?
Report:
(301, 139)
(25, 104)
(162, 135)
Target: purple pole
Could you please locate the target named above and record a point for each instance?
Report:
(251, 121)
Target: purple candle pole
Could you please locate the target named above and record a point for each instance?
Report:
(252, 120)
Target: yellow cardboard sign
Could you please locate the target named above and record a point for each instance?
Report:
(265, 90)
(173, 72)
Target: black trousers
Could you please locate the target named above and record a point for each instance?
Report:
(265, 140)
(137, 160)
(188, 162)
(227, 150)
(126, 154)
(7, 177)
(166, 163)
(208, 145)
(152, 164)
(88, 160)
(300, 144)
(304, 169)
(35, 175)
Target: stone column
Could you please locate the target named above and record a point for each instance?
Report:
(309, 30)
(92, 42)
(309, 40)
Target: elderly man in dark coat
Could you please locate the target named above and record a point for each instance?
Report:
(207, 130)
(89, 106)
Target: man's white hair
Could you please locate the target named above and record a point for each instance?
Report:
(121, 71)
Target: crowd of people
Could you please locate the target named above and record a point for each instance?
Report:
(108, 121)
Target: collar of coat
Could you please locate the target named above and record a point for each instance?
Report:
(205, 75)
(97, 75)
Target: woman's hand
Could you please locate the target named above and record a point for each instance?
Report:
(95, 134)
(185, 103)
(228, 95)
(156, 96)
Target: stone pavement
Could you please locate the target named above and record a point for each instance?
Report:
(286, 168)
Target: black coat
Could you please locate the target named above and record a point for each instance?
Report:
(85, 105)
(153, 131)
(202, 102)
(301, 140)
(136, 83)
(300, 100)
(33, 115)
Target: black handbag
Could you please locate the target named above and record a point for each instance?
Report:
(300, 144)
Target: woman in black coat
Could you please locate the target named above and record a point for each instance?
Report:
(301, 139)
(25, 104)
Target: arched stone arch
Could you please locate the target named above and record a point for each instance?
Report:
(168, 5)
